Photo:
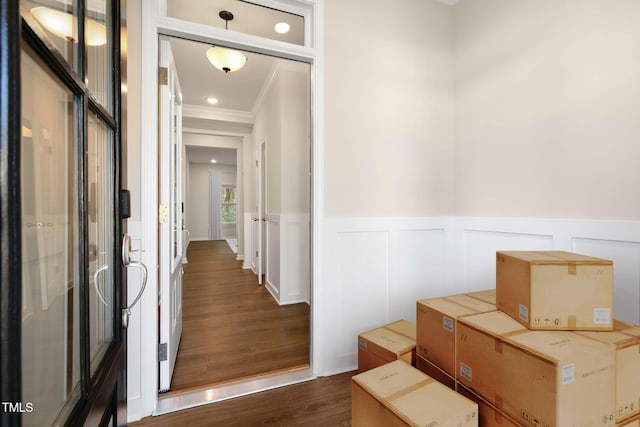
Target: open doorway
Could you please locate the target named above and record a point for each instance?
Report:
(243, 330)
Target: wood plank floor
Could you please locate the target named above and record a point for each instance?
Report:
(232, 328)
(322, 402)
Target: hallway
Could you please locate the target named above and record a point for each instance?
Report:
(233, 328)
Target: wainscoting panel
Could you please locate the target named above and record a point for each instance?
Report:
(417, 270)
(479, 253)
(362, 288)
(294, 259)
(626, 273)
(374, 269)
(273, 255)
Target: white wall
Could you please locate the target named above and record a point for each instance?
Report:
(389, 108)
(509, 113)
(547, 107)
(198, 208)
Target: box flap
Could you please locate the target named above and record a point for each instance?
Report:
(555, 257)
(494, 323)
(387, 380)
(447, 307)
(471, 302)
(559, 346)
(435, 402)
(403, 327)
(390, 340)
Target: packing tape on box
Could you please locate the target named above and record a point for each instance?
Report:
(572, 321)
(399, 333)
(411, 389)
(572, 268)
(497, 346)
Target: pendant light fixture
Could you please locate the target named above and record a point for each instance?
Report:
(227, 60)
(64, 25)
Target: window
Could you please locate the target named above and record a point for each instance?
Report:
(229, 204)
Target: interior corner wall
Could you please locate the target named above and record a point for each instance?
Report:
(547, 106)
(539, 100)
(389, 108)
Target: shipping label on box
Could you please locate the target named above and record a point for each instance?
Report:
(435, 327)
(544, 378)
(555, 290)
(395, 341)
(397, 394)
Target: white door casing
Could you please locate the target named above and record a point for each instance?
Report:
(261, 210)
(170, 216)
(152, 15)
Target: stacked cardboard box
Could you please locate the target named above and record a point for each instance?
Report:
(395, 341)
(540, 349)
(489, 415)
(436, 320)
(555, 290)
(625, 338)
(537, 377)
(397, 394)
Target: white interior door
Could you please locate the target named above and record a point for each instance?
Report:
(170, 216)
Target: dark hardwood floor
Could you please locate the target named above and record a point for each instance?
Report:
(232, 328)
(324, 402)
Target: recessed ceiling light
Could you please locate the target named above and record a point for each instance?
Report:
(214, 161)
(282, 28)
(212, 101)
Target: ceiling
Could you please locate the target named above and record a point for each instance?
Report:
(239, 90)
(199, 79)
(223, 156)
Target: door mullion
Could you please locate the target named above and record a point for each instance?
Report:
(10, 216)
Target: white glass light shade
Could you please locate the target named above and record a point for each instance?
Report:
(226, 59)
(64, 25)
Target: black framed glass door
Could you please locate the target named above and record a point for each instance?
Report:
(62, 353)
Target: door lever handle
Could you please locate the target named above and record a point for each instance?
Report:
(126, 312)
(95, 283)
(128, 263)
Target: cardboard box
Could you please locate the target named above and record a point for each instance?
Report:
(489, 415)
(397, 394)
(436, 327)
(488, 296)
(395, 341)
(426, 367)
(631, 422)
(543, 378)
(555, 290)
(625, 337)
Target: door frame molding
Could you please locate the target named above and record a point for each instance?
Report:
(154, 24)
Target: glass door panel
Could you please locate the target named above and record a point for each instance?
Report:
(58, 22)
(50, 242)
(99, 51)
(101, 244)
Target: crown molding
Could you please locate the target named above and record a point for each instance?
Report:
(218, 114)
